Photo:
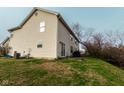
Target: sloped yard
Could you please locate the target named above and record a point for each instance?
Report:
(70, 71)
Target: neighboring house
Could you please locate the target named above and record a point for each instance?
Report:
(5, 43)
(4, 47)
(43, 34)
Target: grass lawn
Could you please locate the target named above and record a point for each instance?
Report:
(70, 71)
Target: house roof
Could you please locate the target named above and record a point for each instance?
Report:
(48, 11)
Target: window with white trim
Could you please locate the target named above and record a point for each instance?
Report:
(39, 44)
(42, 26)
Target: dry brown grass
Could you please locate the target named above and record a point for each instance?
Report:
(71, 71)
(93, 76)
(57, 68)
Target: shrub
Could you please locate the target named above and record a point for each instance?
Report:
(114, 56)
(105, 50)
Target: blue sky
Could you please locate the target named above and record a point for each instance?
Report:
(101, 19)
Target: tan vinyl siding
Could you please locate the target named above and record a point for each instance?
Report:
(29, 35)
(64, 36)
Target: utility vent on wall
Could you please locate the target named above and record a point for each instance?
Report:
(11, 35)
(36, 14)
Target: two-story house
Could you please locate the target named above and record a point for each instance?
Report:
(43, 34)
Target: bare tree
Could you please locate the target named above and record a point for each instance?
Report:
(77, 30)
(83, 33)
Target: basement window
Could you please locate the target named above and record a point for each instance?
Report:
(42, 26)
(39, 44)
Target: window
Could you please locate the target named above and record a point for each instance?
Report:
(42, 26)
(71, 49)
(62, 49)
(39, 45)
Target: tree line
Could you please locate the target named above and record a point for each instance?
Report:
(108, 46)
